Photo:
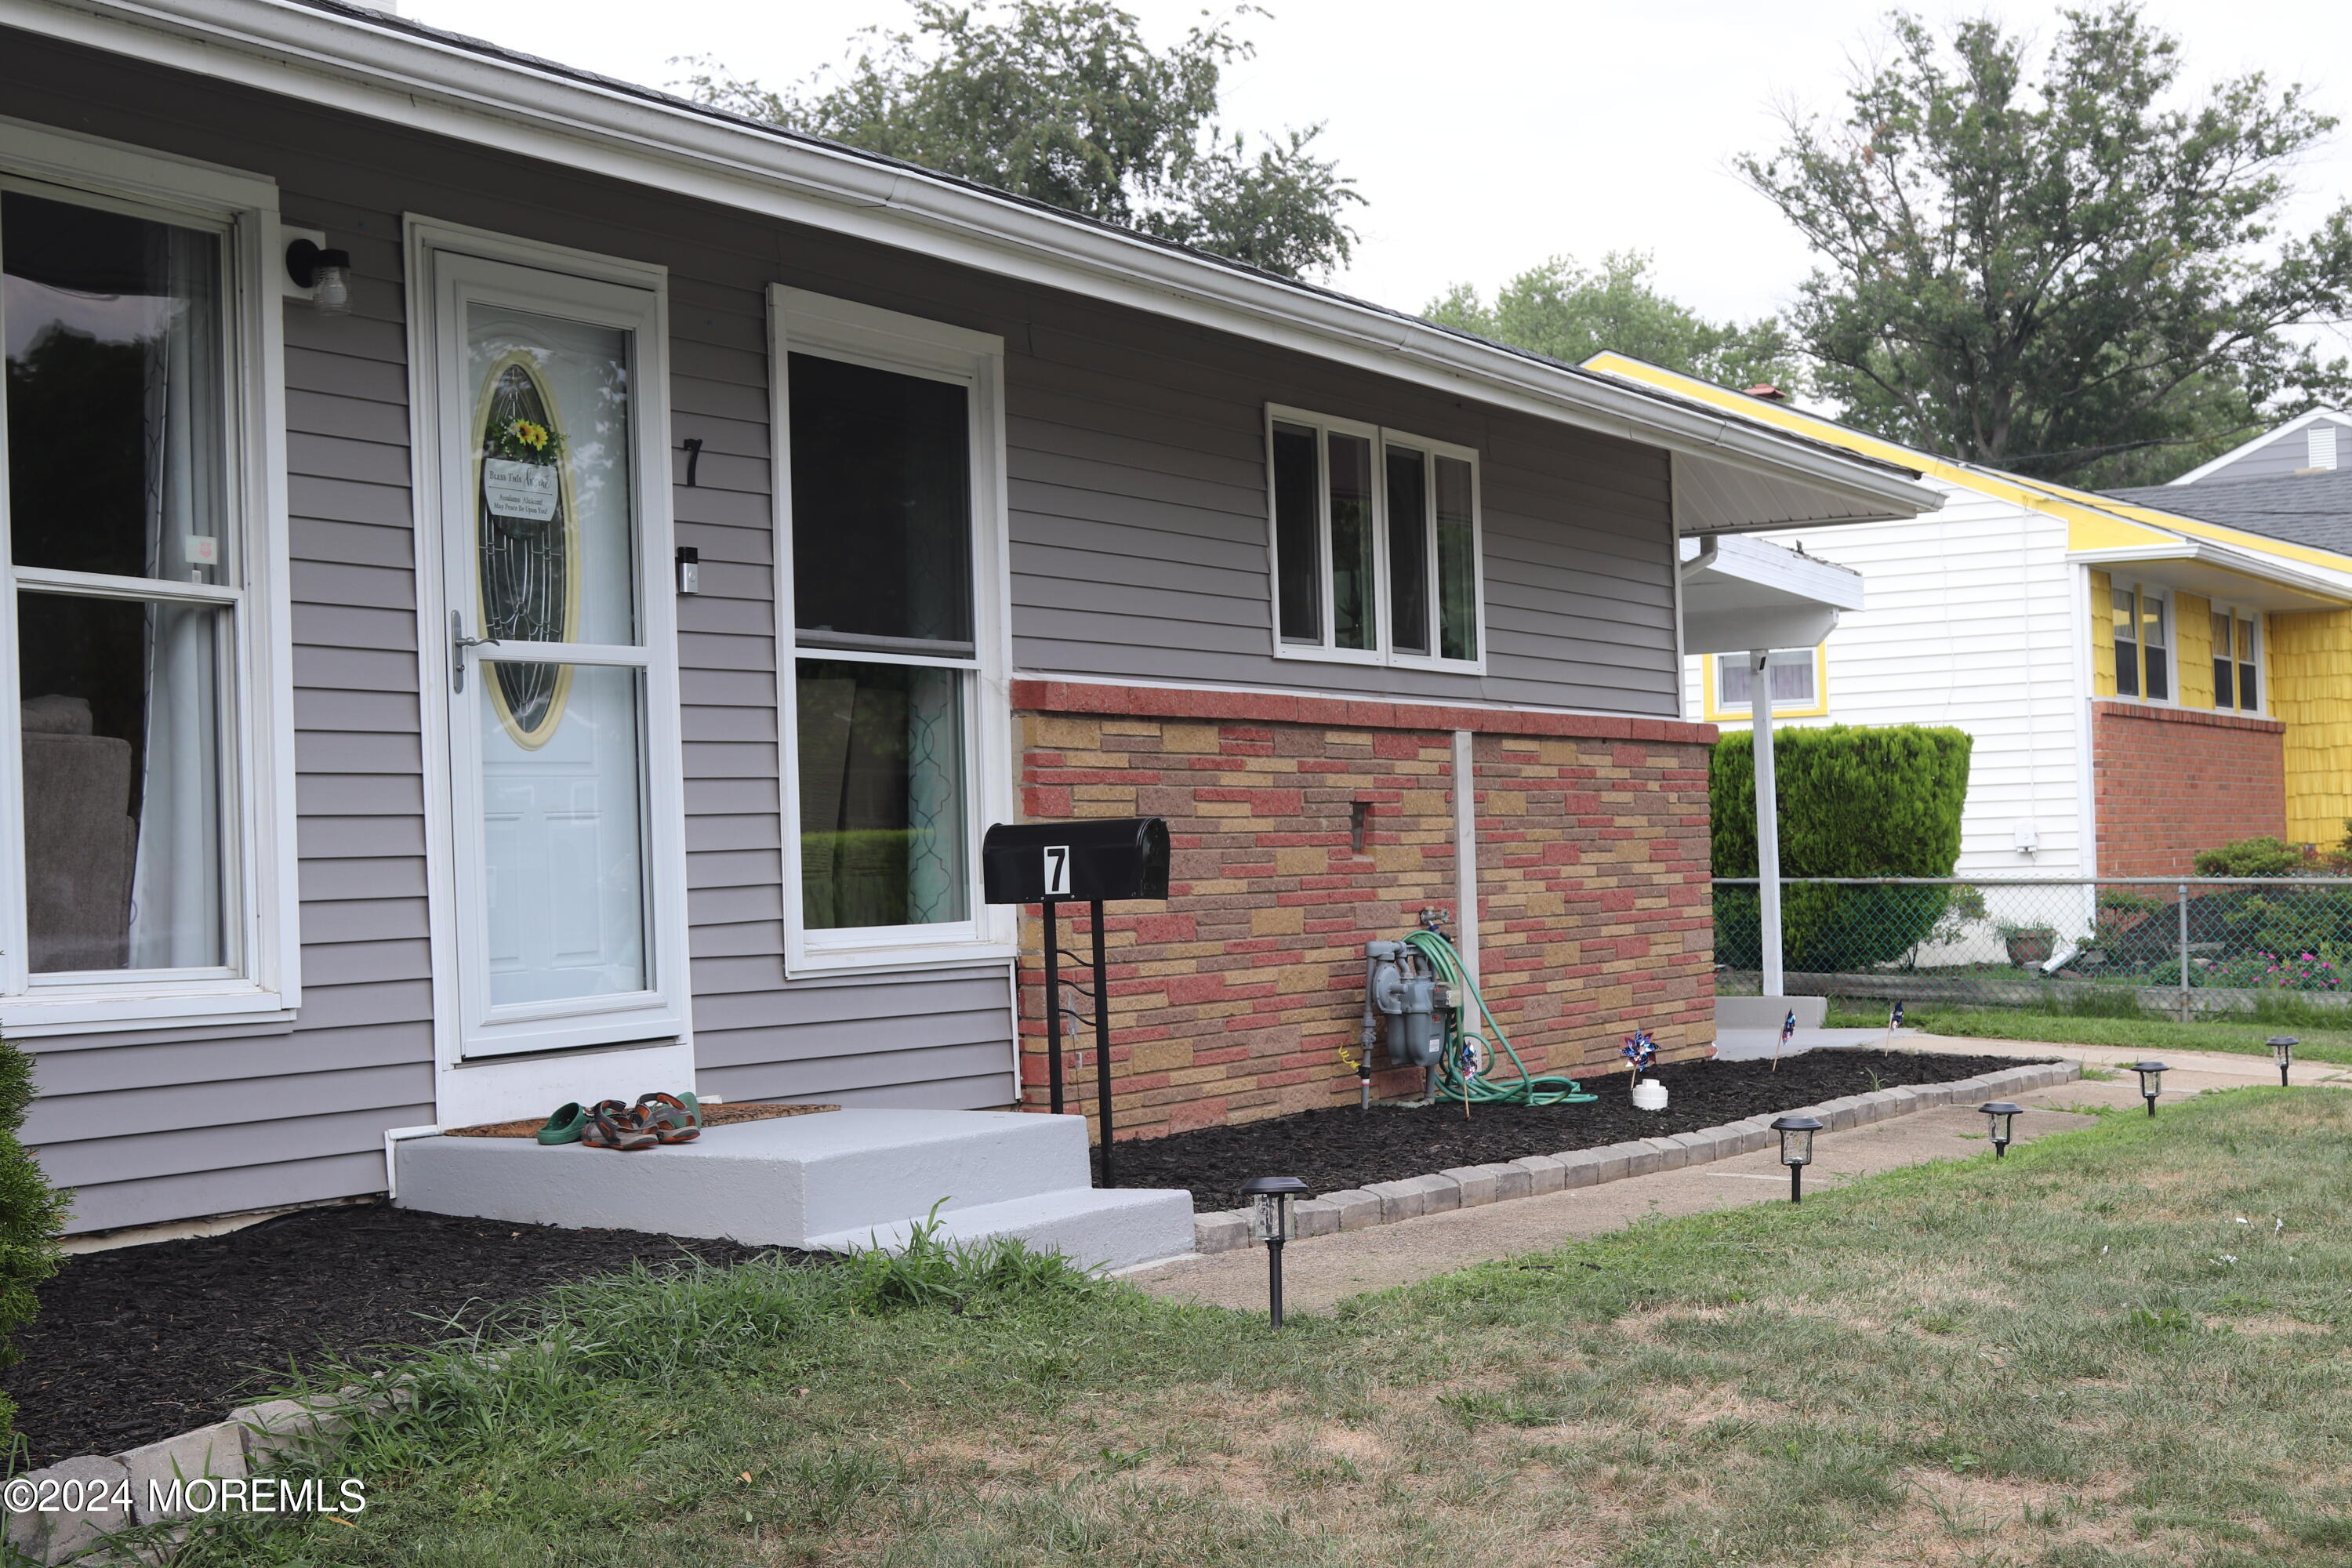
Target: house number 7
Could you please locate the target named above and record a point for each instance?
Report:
(1057, 870)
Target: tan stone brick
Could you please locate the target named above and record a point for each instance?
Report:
(1199, 738)
(1161, 1056)
(1060, 732)
(1305, 860)
(1504, 803)
(1283, 920)
(1396, 858)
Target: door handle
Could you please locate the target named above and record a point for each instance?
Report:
(459, 643)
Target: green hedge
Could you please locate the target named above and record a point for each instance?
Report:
(1854, 801)
(32, 1214)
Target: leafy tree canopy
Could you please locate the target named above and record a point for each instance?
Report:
(1063, 102)
(1561, 309)
(2072, 275)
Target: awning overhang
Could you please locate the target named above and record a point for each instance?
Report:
(2217, 572)
(1742, 594)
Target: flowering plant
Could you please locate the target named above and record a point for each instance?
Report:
(526, 441)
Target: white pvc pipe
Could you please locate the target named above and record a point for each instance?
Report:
(1767, 818)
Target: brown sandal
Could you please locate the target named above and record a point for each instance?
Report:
(669, 1119)
(612, 1125)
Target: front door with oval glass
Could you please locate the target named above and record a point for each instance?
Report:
(559, 693)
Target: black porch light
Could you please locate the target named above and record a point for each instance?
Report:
(2001, 1116)
(1796, 1150)
(2283, 1052)
(2152, 1081)
(1273, 1220)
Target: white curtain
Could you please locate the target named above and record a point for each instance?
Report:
(176, 901)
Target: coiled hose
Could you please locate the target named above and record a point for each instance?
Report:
(1478, 1091)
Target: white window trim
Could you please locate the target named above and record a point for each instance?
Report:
(258, 711)
(1384, 651)
(493, 1086)
(801, 322)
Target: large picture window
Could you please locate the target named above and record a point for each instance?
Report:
(144, 880)
(889, 448)
(1375, 541)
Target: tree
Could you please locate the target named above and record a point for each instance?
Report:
(1063, 102)
(1561, 310)
(2073, 278)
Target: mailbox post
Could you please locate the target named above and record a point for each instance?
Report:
(1053, 863)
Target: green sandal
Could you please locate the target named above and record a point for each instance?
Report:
(566, 1125)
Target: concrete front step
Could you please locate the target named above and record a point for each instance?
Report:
(1095, 1228)
(785, 1182)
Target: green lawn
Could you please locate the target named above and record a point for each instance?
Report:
(2129, 1344)
(2317, 1043)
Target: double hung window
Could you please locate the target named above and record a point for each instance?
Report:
(143, 886)
(2237, 671)
(1376, 543)
(891, 442)
(2142, 644)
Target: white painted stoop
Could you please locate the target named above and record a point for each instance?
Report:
(838, 1179)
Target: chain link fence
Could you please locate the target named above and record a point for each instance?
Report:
(2180, 946)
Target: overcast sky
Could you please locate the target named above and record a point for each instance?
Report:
(1489, 134)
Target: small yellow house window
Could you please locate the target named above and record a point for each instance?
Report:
(2237, 669)
(2142, 644)
(1797, 679)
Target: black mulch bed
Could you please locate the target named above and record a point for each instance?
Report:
(143, 1342)
(1333, 1151)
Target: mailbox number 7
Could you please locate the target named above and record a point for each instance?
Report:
(1057, 870)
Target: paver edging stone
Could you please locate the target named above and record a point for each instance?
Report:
(1467, 1186)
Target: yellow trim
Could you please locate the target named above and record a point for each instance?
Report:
(2102, 634)
(1709, 688)
(2092, 522)
(2192, 649)
(538, 735)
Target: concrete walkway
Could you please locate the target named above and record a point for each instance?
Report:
(1321, 1270)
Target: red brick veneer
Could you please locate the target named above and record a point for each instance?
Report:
(1234, 1000)
(2173, 780)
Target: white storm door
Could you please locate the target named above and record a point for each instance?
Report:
(559, 674)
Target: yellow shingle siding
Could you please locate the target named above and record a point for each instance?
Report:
(2311, 692)
(2193, 647)
(2102, 634)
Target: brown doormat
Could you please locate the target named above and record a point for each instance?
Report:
(712, 1116)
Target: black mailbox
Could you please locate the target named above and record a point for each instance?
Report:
(1100, 858)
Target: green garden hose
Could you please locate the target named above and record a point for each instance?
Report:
(1452, 1082)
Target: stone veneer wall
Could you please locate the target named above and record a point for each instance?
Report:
(1234, 1000)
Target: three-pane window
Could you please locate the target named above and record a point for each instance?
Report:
(1791, 675)
(1376, 543)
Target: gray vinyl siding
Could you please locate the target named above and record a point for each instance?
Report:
(1139, 552)
(2282, 457)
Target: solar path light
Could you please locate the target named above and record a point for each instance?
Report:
(2283, 1052)
(2152, 1081)
(1796, 1150)
(1274, 1219)
(2001, 1116)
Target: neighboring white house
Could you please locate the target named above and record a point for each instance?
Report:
(2073, 637)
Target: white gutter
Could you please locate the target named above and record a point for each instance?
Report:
(427, 85)
(2321, 583)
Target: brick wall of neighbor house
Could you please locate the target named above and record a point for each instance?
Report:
(1234, 1000)
(2172, 781)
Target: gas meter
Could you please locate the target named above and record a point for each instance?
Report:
(1402, 988)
